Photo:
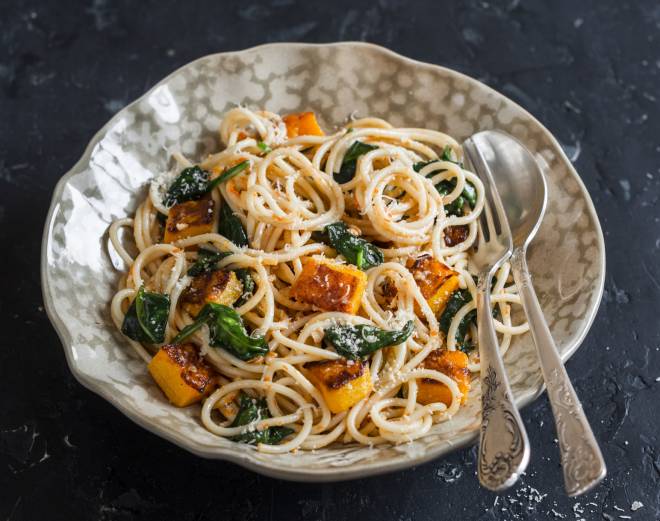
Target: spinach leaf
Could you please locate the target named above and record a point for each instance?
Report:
(249, 285)
(264, 147)
(356, 150)
(417, 167)
(446, 186)
(228, 174)
(446, 156)
(206, 261)
(231, 227)
(146, 318)
(357, 251)
(468, 194)
(456, 302)
(349, 163)
(227, 331)
(202, 318)
(355, 342)
(461, 331)
(191, 184)
(252, 410)
(205, 316)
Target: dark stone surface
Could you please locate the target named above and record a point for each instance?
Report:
(588, 70)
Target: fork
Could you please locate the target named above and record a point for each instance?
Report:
(503, 442)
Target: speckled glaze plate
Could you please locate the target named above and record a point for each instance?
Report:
(183, 112)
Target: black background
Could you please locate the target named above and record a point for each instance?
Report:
(588, 70)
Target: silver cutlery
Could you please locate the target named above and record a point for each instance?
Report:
(503, 443)
(523, 193)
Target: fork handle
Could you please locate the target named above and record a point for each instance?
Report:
(503, 443)
(581, 458)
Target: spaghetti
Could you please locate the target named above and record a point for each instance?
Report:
(274, 281)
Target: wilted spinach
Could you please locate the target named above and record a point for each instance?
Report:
(469, 193)
(227, 331)
(193, 183)
(206, 261)
(231, 227)
(458, 299)
(244, 275)
(356, 342)
(253, 410)
(445, 156)
(356, 250)
(146, 318)
(349, 163)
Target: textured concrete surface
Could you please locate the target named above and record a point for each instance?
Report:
(588, 70)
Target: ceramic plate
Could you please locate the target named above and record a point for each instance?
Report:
(183, 112)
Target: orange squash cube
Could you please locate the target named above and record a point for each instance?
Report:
(435, 280)
(343, 383)
(302, 124)
(189, 219)
(330, 286)
(439, 299)
(182, 374)
(220, 287)
(452, 363)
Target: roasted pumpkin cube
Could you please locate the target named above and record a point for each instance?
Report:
(302, 124)
(452, 363)
(219, 287)
(189, 219)
(435, 280)
(182, 374)
(439, 299)
(330, 286)
(429, 274)
(343, 383)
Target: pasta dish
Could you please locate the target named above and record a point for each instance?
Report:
(310, 288)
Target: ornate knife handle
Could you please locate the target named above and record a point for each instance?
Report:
(503, 443)
(581, 458)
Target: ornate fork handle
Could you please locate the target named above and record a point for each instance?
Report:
(581, 458)
(503, 443)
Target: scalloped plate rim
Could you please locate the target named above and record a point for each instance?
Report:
(331, 473)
